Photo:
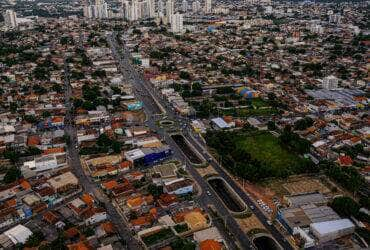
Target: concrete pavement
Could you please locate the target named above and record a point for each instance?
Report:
(200, 147)
(85, 181)
(204, 200)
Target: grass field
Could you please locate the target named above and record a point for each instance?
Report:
(259, 107)
(265, 147)
(256, 155)
(259, 103)
(245, 112)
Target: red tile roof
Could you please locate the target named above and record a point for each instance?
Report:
(210, 245)
(87, 199)
(345, 160)
(53, 151)
(33, 140)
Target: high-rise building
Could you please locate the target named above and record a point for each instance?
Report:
(98, 10)
(10, 18)
(126, 9)
(262, 2)
(143, 10)
(196, 6)
(335, 18)
(184, 6)
(160, 8)
(87, 10)
(208, 6)
(170, 9)
(151, 6)
(177, 23)
(268, 9)
(103, 11)
(134, 10)
(316, 28)
(330, 82)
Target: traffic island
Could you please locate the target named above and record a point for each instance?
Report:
(229, 197)
(189, 151)
(166, 123)
(262, 240)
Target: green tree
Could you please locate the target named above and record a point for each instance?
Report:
(33, 151)
(90, 93)
(66, 40)
(89, 232)
(11, 155)
(196, 89)
(155, 190)
(12, 174)
(13, 107)
(46, 114)
(345, 206)
(183, 244)
(77, 102)
(225, 90)
(271, 125)
(347, 177)
(41, 73)
(30, 118)
(88, 105)
(59, 243)
(365, 202)
(304, 123)
(116, 146)
(136, 31)
(77, 75)
(293, 141)
(104, 141)
(57, 88)
(35, 239)
(116, 90)
(184, 75)
(99, 74)
(38, 89)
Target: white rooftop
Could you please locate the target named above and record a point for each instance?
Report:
(18, 234)
(327, 227)
(220, 122)
(134, 154)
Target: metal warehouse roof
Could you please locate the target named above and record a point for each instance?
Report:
(18, 234)
(331, 226)
(220, 122)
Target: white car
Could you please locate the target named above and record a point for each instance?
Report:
(208, 193)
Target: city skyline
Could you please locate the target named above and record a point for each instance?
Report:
(184, 125)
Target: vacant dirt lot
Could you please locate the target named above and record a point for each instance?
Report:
(250, 223)
(306, 186)
(206, 171)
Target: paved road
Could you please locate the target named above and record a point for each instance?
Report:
(85, 181)
(260, 215)
(144, 86)
(204, 200)
(140, 91)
